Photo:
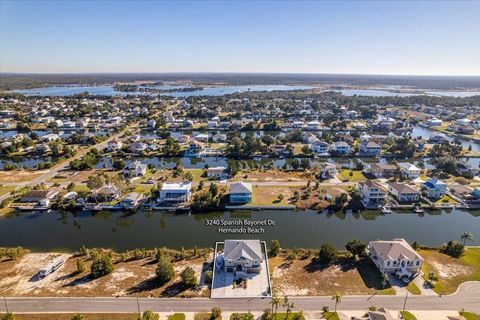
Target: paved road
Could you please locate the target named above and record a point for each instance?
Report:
(468, 297)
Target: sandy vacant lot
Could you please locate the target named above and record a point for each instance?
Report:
(129, 278)
(306, 276)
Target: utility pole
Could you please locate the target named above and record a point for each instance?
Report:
(138, 308)
(405, 302)
(5, 301)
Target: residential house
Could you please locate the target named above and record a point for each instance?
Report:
(437, 138)
(40, 198)
(395, 257)
(434, 122)
(135, 169)
(341, 147)
(313, 125)
(374, 193)
(321, 148)
(219, 137)
(195, 149)
(216, 172)
(278, 148)
(241, 257)
(202, 137)
(328, 171)
(435, 188)
(131, 200)
(107, 193)
(382, 170)
(409, 170)
(403, 192)
(241, 192)
(137, 147)
(465, 168)
(175, 193)
(370, 148)
(114, 145)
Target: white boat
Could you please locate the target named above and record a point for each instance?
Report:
(386, 210)
(418, 210)
(52, 267)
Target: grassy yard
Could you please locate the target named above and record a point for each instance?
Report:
(447, 199)
(176, 316)
(470, 316)
(6, 189)
(413, 289)
(291, 316)
(306, 276)
(451, 272)
(330, 315)
(407, 315)
(344, 175)
(68, 316)
(268, 196)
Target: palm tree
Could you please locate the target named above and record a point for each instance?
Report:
(288, 305)
(338, 298)
(276, 300)
(466, 236)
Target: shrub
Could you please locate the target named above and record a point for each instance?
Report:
(164, 271)
(188, 277)
(101, 266)
(328, 253)
(453, 248)
(274, 248)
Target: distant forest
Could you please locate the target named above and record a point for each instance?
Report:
(10, 81)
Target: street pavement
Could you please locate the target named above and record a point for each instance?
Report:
(467, 297)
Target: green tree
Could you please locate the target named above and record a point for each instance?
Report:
(78, 317)
(149, 315)
(274, 249)
(466, 236)
(101, 265)
(8, 316)
(275, 303)
(188, 277)
(453, 249)
(327, 254)
(337, 297)
(80, 266)
(216, 314)
(357, 248)
(165, 271)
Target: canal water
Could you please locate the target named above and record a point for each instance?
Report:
(302, 229)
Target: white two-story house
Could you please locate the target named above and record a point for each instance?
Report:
(395, 257)
(373, 192)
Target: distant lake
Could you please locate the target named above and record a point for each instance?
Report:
(304, 229)
(108, 90)
(383, 93)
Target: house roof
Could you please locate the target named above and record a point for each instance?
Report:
(240, 187)
(184, 185)
(409, 166)
(373, 184)
(382, 166)
(402, 187)
(433, 182)
(375, 315)
(395, 250)
(39, 194)
(247, 249)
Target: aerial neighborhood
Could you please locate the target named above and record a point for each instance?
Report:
(259, 150)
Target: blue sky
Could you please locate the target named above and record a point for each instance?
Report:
(409, 37)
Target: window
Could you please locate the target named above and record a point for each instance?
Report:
(418, 263)
(388, 263)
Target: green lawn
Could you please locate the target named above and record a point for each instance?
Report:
(6, 189)
(344, 175)
(466, 268)
(176, 316)
(413, 289)
(446, 199)
(470, 316)
(407, 315)
(81, 188)
(330, 315)
(291, 316)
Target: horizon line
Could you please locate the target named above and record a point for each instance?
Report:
(235, 72)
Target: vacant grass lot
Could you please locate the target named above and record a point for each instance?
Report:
(413, 289)
(344, 175)
(268, 196)
(306, 276)
(451, 272)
